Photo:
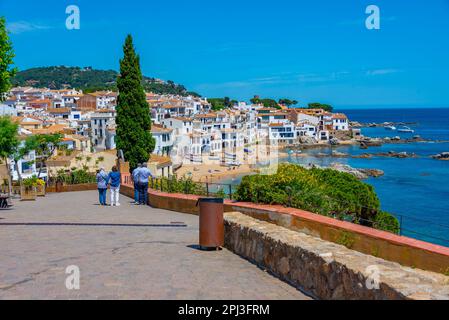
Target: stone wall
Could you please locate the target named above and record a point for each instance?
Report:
(327, 270)
(406, 251)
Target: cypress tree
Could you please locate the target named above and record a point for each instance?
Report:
(133, 114)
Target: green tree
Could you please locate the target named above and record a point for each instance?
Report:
(133, 115)
(317, 105)
(217, 103)
(255, 100)
(288, 102)
(45, 146)
(6, 60)
(270, 103)
(227, 102)
(9, 142)
(267, 103)
(21, 151)
(221, 103)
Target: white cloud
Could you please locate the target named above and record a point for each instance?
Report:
(379, 72)
(24, 26)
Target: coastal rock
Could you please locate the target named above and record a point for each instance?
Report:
(372, 142)
(307, 140)
(358, 173)
(348, 169)
(363, 156)
(321, 155)
(337, 154)
(441, 156)
(390, 154)
(372, 172)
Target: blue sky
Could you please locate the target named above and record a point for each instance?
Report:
(305, 50)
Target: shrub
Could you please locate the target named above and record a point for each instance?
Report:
(323, 191)
(77, 176)
(178, 185)
(30, 182)
(386, 221)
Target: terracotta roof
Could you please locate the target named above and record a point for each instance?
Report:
(339, 116)
(55, 128)
(160, 160)
(58, 110)
(274, 124)
(183, 119)
(159, 129)
(207, 115)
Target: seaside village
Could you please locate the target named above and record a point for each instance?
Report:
(188, 133)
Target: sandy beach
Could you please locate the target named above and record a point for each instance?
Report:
(213, 172)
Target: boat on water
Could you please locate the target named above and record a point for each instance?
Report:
(406, 129)
(390, 128)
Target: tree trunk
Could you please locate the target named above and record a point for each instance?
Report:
(16, 166)
(8, 170)
(40, 169)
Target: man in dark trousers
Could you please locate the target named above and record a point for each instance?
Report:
(135, 177)
(143, 175)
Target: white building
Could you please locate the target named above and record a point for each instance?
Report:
(164, 139)
(281, 132)
(340, 122)
(6, 110)
(99, 124)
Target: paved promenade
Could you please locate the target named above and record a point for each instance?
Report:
(127, 252)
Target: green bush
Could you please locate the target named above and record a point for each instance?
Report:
(386, 221)
(323, 191)
(178, 185)
(78, 176)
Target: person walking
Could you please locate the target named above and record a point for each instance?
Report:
(102, 185)
(114, 180)
(143, 176)
(135, 177)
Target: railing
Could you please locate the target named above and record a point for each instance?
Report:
(187, 186)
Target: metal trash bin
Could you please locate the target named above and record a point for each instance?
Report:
(211, 223)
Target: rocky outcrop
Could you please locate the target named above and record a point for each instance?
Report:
(334, 154)
(390, 154)
(441, 156)
(358, 173)
(307, 140)
(337, 154)
(327, 270)
(363, 156)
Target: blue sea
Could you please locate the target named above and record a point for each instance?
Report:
(416, 190)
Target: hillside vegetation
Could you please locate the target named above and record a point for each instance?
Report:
(88, 80)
